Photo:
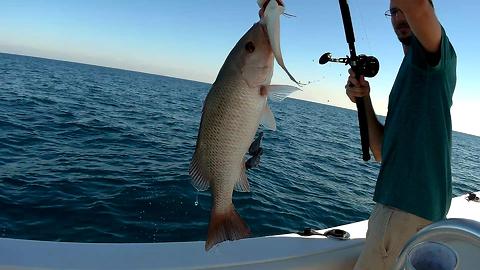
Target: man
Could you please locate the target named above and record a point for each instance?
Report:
(414, 184)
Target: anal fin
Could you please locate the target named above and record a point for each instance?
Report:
(197, 172)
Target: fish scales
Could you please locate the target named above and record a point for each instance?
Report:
(231, 118)
(233, 109)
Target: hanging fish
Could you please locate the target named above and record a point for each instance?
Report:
(232, 112)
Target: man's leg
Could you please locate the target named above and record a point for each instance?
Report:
(372, 254)
(402, 227)
(388, 231)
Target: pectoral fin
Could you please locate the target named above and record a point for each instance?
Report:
(279, 92)
(267, 120)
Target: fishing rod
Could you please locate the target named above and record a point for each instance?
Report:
(367, 66)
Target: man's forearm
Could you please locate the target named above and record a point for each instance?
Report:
(375, 130)
(422, 21)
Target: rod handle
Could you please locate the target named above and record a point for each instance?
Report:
(362, 122)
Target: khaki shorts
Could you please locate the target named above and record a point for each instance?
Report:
(388, 231)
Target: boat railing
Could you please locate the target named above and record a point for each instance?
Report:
(430, 246)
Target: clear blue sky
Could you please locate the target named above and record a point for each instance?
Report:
(190, 39)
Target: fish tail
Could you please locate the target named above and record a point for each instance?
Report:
(225, 226)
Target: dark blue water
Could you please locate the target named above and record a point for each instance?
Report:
(94, 154)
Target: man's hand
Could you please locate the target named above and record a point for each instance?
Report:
(361, 88)
(356, 88)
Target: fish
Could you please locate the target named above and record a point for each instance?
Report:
(255, 148)
(255, 151)
(254, 161)
(233, 110)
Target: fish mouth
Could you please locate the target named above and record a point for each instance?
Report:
(271, 21)
(263, 6)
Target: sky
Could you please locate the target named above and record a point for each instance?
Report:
(191, 39)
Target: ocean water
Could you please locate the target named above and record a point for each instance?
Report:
(94, 154)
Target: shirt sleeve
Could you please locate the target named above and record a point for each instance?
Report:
(420, 58)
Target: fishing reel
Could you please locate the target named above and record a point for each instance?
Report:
(367, 66)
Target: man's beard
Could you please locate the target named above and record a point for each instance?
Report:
(406, 41)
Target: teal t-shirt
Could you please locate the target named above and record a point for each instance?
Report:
(415, 175)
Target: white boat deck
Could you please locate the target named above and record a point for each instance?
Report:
(288, 251)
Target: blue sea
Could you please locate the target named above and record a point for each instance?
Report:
(95, 154)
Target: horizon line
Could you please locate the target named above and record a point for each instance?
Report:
(186, 79)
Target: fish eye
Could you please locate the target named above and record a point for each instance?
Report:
(250, 47)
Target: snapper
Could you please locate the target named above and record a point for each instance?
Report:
(233, 110)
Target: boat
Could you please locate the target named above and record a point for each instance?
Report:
(339, 249)
(449, 244)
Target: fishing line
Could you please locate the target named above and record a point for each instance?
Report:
(310, 82)
(359, 12)
(288, 15)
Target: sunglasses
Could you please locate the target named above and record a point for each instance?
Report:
(392, 12)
